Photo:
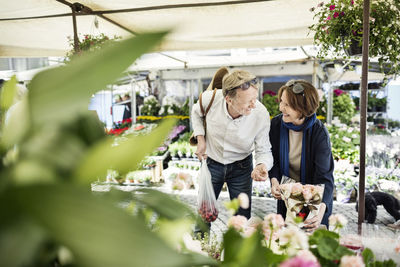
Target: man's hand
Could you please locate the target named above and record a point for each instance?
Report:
(201, 148)
(275, 190)
(260, 173)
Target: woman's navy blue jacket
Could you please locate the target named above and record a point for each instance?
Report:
(319, 162)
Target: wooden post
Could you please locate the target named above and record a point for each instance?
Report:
(363, 114)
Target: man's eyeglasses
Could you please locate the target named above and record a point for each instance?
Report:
(246, 85)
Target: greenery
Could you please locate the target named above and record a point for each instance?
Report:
(51, 148)
(271, 102)
(338, 22)
(151, 106)
(342, 106)
(89, 43)
(345, 142)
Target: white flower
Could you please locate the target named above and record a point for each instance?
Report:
(294, 238)
(337, 220)
(354, 136)
(243, 201)
(346, 139)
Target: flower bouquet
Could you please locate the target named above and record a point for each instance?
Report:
(301, 200)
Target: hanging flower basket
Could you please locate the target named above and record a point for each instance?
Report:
(354, 49)
(339, 22)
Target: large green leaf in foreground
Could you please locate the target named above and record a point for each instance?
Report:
(97, 233)
(60, 93)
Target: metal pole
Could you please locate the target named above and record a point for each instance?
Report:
(363, 114)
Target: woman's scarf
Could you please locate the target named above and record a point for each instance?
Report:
(306, 128)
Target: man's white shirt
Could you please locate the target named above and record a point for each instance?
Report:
(229, 140)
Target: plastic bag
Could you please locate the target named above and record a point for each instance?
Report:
(206, 201)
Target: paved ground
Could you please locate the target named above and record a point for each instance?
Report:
(262, 206)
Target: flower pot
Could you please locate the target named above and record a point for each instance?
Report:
(354, 49)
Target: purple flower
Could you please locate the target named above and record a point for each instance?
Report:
(342, 14)
(299, 262)
(336, 14)
(332, 7)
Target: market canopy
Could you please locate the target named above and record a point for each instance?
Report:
(196, 25)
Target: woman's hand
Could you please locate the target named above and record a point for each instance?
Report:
(201, 148)
(314, 222)
(275, 190)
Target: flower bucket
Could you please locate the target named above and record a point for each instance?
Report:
(354, 49)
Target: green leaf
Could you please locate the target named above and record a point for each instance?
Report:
(330, 249)
(248, 251)
(123, 157)
(17, 123)
(60, 93)
(165, 205)
(7, 93)
(320, 233)
(232, 243)
(19, 242)
(96, 232)
(368, 257)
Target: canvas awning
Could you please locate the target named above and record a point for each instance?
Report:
(196, 25)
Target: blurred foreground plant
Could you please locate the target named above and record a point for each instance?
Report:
(51, 148)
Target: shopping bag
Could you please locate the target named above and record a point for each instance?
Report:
(206, 201)
(300, 200)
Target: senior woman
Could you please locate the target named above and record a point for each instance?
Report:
(301, 147)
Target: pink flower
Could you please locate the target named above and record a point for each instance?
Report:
(352, 2)
(332, 7)
(328, 18)
(307, 255)
(297, 189)
(336, 14)
(338, 92)
(267, 234)
(397, 248)
(273, 221)
(351, 261)
(237, 222)
(299, 262)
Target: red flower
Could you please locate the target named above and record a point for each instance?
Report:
(336, 14)
(332, 7)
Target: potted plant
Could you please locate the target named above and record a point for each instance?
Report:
(338, 24)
